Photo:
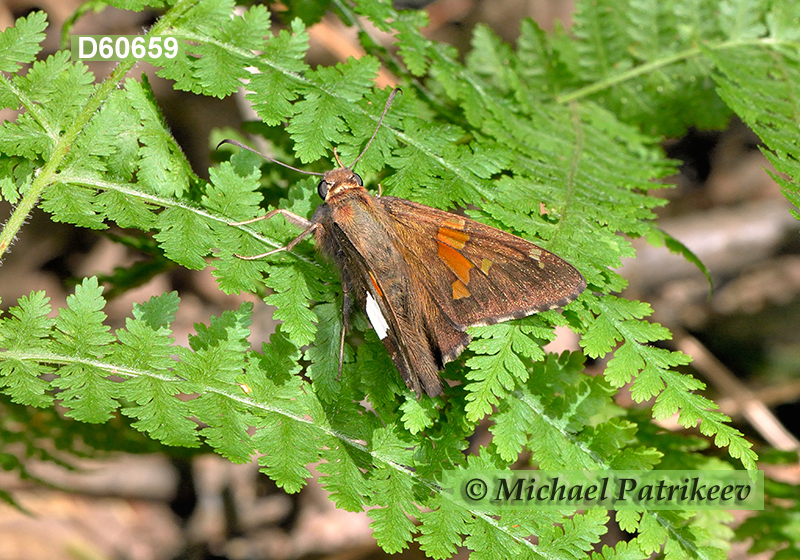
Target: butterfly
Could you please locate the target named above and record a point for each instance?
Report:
(423, 275)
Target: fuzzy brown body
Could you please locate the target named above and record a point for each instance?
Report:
(424, 275)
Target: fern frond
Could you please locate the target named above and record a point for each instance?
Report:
(762, 89)
(556, 140)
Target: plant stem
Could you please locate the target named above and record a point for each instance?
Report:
(47, 175)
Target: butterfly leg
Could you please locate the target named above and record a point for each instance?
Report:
(292, 218)
(347, 308)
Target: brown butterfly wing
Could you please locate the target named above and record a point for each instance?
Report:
(375, 270)
(477, 274)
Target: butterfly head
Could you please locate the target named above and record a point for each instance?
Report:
(337, 181)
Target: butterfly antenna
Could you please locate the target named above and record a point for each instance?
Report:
(395, 91)
(249, 149)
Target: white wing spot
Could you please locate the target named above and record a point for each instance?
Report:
(376, 317)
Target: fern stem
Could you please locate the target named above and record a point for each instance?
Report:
(629, 75)
(164, 202)
(289, 413)
(655, 65)
(47, 175)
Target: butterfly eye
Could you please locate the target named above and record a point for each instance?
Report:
(322, 189)
(358, 179)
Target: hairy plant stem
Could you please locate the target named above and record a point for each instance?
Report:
(48, 174)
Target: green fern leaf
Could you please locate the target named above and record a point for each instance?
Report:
(490, 539)
(289, 445)
(654, 29)
(185, 237)
(761, 88)
(541, 70)
(362, 125)
(432, 180)
(206, 23)
(99, 140)
(125, 210)
(651, 533)
(61, 89)
(497, 368)
(324, 352)
(145, 344)
(135, 5)
(488, 59)
(378, 376)
(281, 404)
(599, 26)
(72, 204)
(215, 360)
(162, 167)
(80, 333)
(293, 286)
(342, 477)
(220, 70)
(233, 197)
(414, 48)
(742, 19)
(698, 21)
(782, 21)
(20, 44)
(391, 526)
(274, 88)
(441, 527)
(621, 551)
(26, 331)
(317, 123)
(576, 535)
(419, 414)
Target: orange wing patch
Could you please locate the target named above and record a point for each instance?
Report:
(460, 290)
(375, 284)
(451, 238)
(452, 233)
(457, 262)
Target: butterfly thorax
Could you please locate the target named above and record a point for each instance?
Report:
(350, 217)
